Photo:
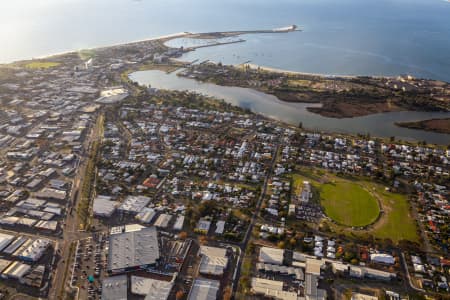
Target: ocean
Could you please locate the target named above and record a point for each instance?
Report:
(350, 37)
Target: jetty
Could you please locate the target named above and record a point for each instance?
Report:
(214, 44)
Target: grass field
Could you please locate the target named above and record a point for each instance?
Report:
(398, 224)
(42, 65)
(349, 204)
(395, 222)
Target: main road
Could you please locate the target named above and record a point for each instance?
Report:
(71, 231)
(243, 245)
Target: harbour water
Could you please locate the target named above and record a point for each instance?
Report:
(385, 37)
(381, 125)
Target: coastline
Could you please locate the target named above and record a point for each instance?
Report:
(204, 35)
(207, 35)
(162, 38)
(325, 75)
(331, 106)
(289, 72)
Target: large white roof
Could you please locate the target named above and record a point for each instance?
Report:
(152, 289)
(134, 204)
(104, 207)
(204, 289)
(5, 239)
(214, 260)
(115, 288)
(133, 249)
(271, 255)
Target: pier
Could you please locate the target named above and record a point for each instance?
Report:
(214, 44)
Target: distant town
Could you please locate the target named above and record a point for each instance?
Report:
(114, 190)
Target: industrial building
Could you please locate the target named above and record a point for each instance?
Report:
(104, 207)
(163, 220)
(133, 250)
(214, 260)
(146, 215)
(204, 289)
(151, 289)
(282, 270)
(271, 255)
(51, 194)
(5, 240)
(311, 290)
(133, 204)
(115, 288)
(32, 251)
(15, 245)
(16, 270)
(179, 223)
(4, 263)
(272, 289)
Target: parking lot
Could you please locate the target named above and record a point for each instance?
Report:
(90, 266)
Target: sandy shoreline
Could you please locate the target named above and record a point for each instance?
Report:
(277, 70)
(165, 38)
(289, 72)
(161, 38)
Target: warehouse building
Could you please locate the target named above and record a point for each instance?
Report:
(312, 292)
(133, 204)
(15, 245)
(51, 194)
(32, 251)
(204, 289)
(104, 207)
(4, 263)
(115, 288)
(47, 225)
(163, 220)
(214, 260)
(5, 240)
(133, 250)
(35, 277)
(151, 289)
(272, 289)
(179, 223)
(16, 270)
(271, 255)
(146, 215)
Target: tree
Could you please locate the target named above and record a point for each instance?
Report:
(348, 256)
(179, 295)
(227, 293)
(250, 248)
(293, 242)
(347, 294)
(202, 240)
